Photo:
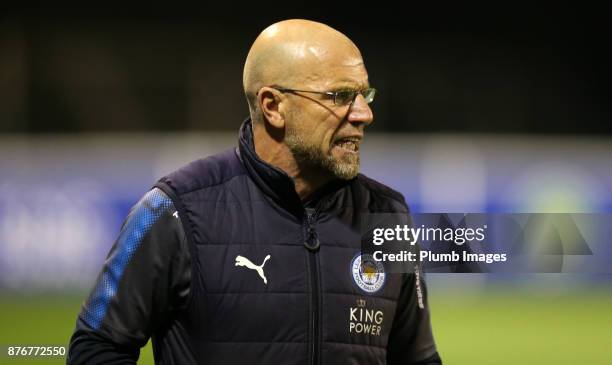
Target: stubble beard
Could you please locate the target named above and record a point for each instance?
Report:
(311, 156)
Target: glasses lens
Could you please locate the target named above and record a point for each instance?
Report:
(368, 95)
(345, 97)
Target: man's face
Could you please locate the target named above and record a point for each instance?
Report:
(324, 135)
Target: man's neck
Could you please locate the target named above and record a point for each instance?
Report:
(276, 153)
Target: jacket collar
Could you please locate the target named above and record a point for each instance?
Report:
(273, 181)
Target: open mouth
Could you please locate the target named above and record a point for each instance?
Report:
(349, 144)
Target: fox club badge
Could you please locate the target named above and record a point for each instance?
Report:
(368, 274)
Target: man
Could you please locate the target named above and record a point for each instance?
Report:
(252, 255)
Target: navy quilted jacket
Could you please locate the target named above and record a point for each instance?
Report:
(222, 263)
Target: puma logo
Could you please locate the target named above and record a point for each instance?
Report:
(243, 261)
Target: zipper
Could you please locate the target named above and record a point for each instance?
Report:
(312, 245)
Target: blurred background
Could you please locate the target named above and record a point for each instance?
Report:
(479, 110)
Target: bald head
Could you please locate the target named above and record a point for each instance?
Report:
(294, 52)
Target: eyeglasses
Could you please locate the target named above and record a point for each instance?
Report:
(341, 97)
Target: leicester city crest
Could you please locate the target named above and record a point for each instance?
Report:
(368, 274)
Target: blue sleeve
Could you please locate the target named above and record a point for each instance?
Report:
(145, 280)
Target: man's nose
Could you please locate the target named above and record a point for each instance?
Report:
(360, 111)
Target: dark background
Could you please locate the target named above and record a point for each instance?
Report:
(169, 67)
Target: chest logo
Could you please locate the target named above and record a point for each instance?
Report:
(243, 261)
(368, 274)
(363, 320)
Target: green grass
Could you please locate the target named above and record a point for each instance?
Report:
(37, 320)
(521, 328)
(502, 327)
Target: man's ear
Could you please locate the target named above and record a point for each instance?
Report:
(269, 100)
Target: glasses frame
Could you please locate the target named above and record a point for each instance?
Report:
(332, 94)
